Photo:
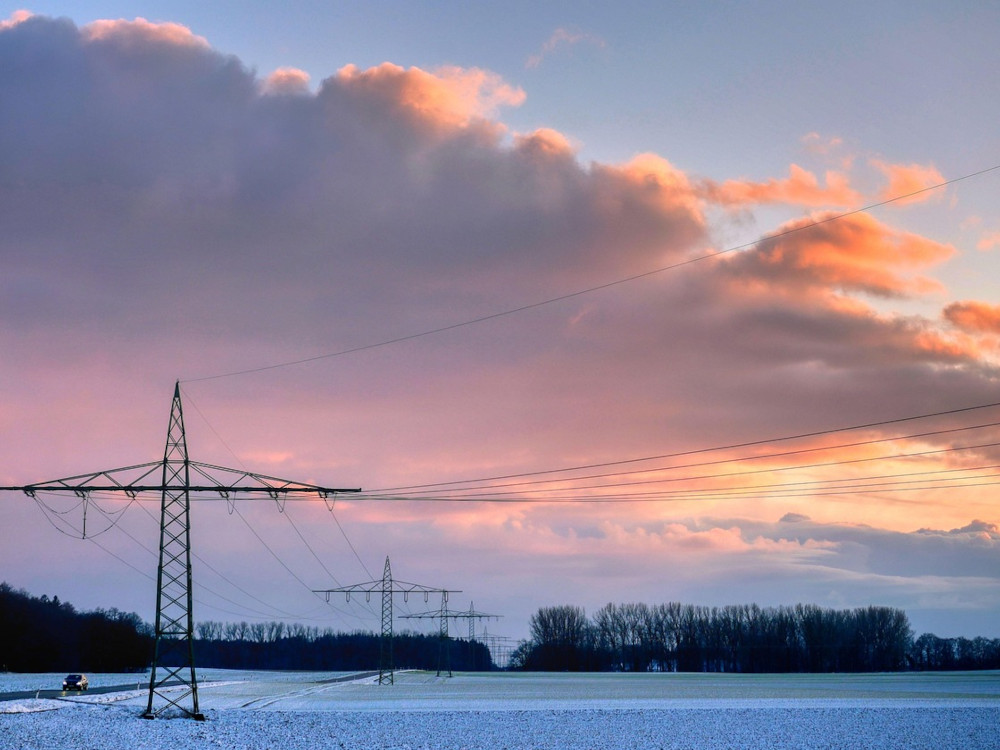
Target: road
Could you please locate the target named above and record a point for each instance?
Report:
(139, 685)
(23, 694)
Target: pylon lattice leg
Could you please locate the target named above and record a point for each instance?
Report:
(385, 667)
(173, 656)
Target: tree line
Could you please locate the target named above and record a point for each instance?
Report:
(38, 634)
(277, 645)
(676, 637)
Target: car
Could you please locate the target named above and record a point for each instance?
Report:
(76, 682)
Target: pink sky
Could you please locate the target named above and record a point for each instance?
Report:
(169, 214)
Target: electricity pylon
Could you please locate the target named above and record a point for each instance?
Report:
(173, 649)
(443, 615)
(500, 647)
(387, 586)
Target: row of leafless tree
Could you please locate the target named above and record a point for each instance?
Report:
(737, 638)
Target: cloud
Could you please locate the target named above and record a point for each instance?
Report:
(801, 187)
(855, 253)
(167, 213)
(794, 518)
(989, 241)
(820, 144)
(562, 38)
(978, 317)
(141, 34)
(286, 81)
(905, 179)
(450, 96)
(18, 16)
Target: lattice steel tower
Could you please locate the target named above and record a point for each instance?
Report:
(174, 630)
(172, 678)
(387, 587)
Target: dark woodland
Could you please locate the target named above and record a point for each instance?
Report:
(741, 638)
(39, 634)
(275, 645)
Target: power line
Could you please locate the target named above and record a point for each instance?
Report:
(597, 288)
(201, 561)
(713, 449)
(490, 496)
(343, 533)
(663, 497)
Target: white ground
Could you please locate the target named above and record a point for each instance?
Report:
(289, 711)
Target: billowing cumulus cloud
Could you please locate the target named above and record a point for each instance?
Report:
(286, 81)
(167, 213)
(449, 97)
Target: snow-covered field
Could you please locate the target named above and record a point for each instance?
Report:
(289, 711)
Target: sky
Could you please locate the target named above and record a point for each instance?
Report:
(646, 302)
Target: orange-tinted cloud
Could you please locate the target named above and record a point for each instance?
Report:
(142, 32)
(905, 179)
(852, 253)
(544, 142)
(657, 180)
(450, 96)
(800, 188)
(286, 81)
(979, 317)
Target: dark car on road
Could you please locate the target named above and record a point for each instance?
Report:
(76, 682)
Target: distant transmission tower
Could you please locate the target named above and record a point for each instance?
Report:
(387, 586)
(443, 615)
(500, 647)
(173, 654)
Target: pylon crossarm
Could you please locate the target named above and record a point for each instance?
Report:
(378, 587)
(134, 489)
(108, 480)
(263, 482)
(136, 479)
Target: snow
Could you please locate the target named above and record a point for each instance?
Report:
(294, 711)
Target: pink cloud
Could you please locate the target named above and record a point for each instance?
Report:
(801, 187)
(979, 317)
(544, 143)
(17, 17)
(286, 81)
(141, 32)
(853, 253)
(989, 241)
(908, 178)
(449, 96)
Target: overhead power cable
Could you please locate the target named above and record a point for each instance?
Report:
(713, 449)
(487, 493)
(596, 288)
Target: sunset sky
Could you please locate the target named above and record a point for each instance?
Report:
(597, 302)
